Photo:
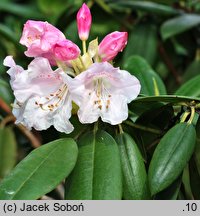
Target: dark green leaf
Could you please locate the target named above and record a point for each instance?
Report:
(192, 70)
(141, 107)
(133, 168)
(171, 192)
(186, 183)
(166, 98)
(149, 7)
(194, 179)
(41, 171)
(142, 35)
(8, 33)
(5, 92)
(179, 24)
(20, 10)
(190, 88)
(171, 156)
(8, 148)
(97, 174)
(157, 119)
(197, 149)
(150, 81)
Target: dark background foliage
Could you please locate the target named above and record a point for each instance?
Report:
(166, 33)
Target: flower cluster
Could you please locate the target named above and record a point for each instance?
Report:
(43, 97)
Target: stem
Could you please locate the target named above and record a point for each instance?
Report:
(33, 140)
(192, 115)
(4, 106)
(144, 128)
(184, 117)
(120, 129)
(169, 64)
(7, 120)
(84, 46)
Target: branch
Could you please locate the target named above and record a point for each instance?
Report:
(169, 63)
(144, 128)
(5, 106)
(33, 140)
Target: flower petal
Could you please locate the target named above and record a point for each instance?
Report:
(117, 111)
(39, 79)
(88, 112)
(61, 117)
(104, 91)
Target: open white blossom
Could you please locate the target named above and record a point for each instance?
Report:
(42, 98)
(103, 91)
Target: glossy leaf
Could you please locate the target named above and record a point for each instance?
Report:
(41, 171)
(8, 151)
(190, 88)
(97, 174)
(179, 24)
(150, 81)
(133, 168)
(186, 183)
(166, 98)
(171, 192)
(171, 156)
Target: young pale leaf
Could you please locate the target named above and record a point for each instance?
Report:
(97, 174)
(190, 88)
(41, 171)
(171, 156)
(8, 148)
(133, 168)
(179, 24)
(151, 83)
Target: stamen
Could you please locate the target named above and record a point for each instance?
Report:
(102, 93)
(55, 100)
(100, 107)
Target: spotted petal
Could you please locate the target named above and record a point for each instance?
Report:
(104, 91)
(42, 98)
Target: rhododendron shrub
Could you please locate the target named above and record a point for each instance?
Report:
(120, 135)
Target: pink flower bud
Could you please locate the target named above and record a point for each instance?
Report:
(112, 44)
(39, 37)
(66, 50)
(84, 20)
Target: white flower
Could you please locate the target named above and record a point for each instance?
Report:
(103, 91)
(42, 98)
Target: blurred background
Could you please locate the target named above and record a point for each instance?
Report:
(164, 32)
